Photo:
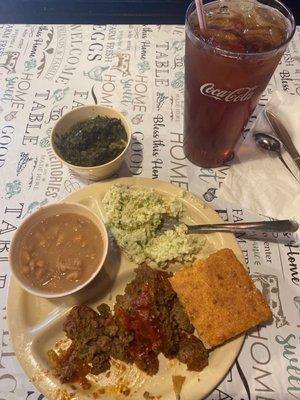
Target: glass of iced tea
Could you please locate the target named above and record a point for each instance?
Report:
(227, 67)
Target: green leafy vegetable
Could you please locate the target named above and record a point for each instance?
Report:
(93, 142)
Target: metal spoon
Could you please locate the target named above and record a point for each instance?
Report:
(270, 143)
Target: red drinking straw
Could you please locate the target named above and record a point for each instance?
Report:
(201, 17)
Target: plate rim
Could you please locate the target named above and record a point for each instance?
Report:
(239, 341)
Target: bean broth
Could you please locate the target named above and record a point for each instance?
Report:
(60, 252)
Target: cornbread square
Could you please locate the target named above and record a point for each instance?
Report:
(220, 298)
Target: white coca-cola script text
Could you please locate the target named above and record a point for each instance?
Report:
(242, 94)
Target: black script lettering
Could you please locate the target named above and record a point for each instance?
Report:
(56, 175)
(268, 252)
(292, 257)
(96, 46)
(157, 164)
(257, 334)
(140, 90)
(4, 245)
(80, 95)
(236, 215)
(285, 76)
(178, 174)
(223, 214)
(223, 396)
(2, 278)
(7, 227)
(5, 139)
(162, 69)
(108, 87)
(144, 46)
(5, 344)
(264, 387)
(260, 353)
(9, 377)
(136, 155)
(59, 52)
(175, 169)
(23, 87)
(145, 31)
(74, 56)
(177, 153)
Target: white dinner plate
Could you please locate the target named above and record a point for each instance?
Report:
(35, 324)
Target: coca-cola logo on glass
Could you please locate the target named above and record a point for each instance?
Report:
(241, 94)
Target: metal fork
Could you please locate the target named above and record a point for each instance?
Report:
(286, 225)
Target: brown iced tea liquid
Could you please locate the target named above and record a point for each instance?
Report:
(225, 73)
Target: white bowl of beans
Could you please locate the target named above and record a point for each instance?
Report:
(58, 249)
